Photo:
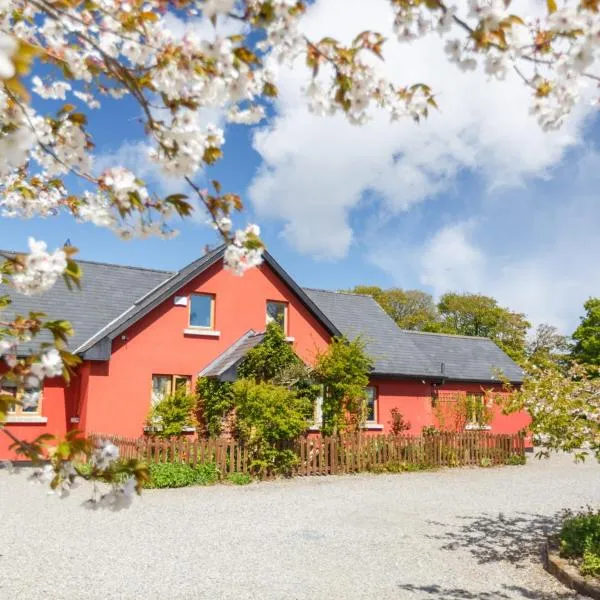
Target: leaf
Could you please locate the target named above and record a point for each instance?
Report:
(551, 6)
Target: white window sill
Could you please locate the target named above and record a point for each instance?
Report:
(373, 426)
(290, 338)
(314, 428)
(26, 419)
(478, 427)
(202, 332)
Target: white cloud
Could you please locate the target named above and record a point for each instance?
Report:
(316, 170)
(535, 250)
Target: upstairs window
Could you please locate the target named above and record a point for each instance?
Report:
(202, 311)
(30, 398)
(371, 399)
(277, 313)
(165, 385)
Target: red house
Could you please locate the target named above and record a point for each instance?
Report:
(139, 332)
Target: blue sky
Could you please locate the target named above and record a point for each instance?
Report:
(476, 199)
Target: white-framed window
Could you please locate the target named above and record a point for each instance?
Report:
(277, 313)
(202, 311)
(371, 402)
(30, 398)
(165, 385)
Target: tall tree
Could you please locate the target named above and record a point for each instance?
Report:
(587, 335)
(478, 315)
(547, 345)
(411, 309)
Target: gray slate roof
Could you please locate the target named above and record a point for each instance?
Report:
(414, 354)
(106, 291)
(224, 367)
(113, 297)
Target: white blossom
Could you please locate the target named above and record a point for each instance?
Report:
(41, 269)
(8, 45)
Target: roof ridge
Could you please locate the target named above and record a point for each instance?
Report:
(339, 292)
(453, 335)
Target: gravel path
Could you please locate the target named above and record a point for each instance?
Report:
(457, 534)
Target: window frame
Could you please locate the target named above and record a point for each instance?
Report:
(285, 313)
(172, 386)
(18, 410)
(210, 327)
(375, 405)
(486, 403)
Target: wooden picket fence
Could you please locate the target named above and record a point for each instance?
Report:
(336, 455)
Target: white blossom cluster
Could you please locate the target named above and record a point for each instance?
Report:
(238, 257)
(104, 454)
(510, 41)
(49, 364)
(41, 269)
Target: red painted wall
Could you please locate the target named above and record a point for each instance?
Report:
(413, 399)
(118, 392)
(55, 400)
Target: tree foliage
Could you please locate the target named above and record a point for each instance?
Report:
(411, 309)
(267, 418)
(548, 345)
(214, 403)
(173, 413)
(270, 358)
(479, 315)
(564, 405)
(587, 335)
(343, 371)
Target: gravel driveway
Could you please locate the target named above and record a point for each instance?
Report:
(450, 535)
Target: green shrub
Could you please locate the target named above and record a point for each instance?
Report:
(515, 459)
(215, 402)
(268, 419)
(175, 412)
(485, 462)
(239, 478)
(580, 539)
(174, 475)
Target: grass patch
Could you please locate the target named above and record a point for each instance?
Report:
(239, 478)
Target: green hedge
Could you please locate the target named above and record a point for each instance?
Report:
(580, 539)
(175, 475)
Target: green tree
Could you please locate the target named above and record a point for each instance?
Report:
(411, 309)
(214, 403)
(343, 370)
(564, 405)
(268, 418)
(270, 358)
(587, 335)
(478, 315)
(547, 345)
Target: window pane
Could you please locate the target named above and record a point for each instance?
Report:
(201, 310)
(161, 387)
(182, 381)
(371, 396)
(276, 313)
